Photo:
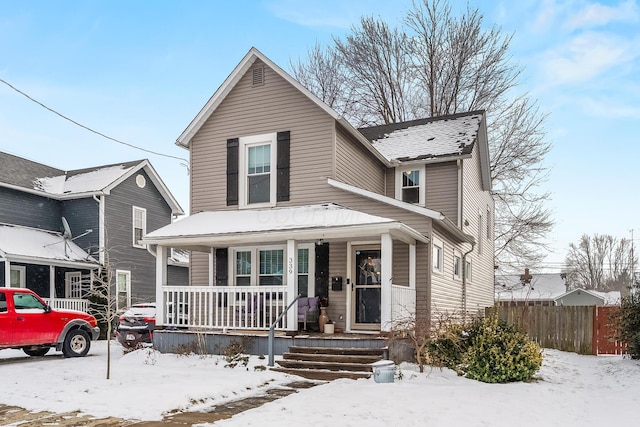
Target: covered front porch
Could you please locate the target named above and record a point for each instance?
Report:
(255, 263)
(45, 262)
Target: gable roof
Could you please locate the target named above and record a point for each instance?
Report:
(230, 82)
(274, 225)
(433, 139)
(32, 177)
(542, 287)
(30, 245)
(607, 298)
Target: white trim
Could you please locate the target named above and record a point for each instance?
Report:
(412, 266)
(143, 211)
(244, 144)
(386, 276)
(103, 230)
(291, 277)
(69, 277)
(161, 281)
(422, 182)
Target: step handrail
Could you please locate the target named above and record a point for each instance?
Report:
(273, 327)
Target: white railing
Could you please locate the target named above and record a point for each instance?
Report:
(68, 303)
(403, 306)
(224, 307)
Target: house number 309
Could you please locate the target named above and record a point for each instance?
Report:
(290, 265)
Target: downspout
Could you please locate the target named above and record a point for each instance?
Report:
(464, 281)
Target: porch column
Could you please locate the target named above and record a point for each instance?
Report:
(386, 275)
(412, 266)
(292, 283)
(52, 283)
(161, 281)
(7, 272)
(212, 265)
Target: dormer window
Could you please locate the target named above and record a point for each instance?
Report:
(410, 186)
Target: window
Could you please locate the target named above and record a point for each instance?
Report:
(438, 254)
(264, 266)
(410, 186)
(488, 223)
(123, 289)
(139, 226)
(480, 233)
(258, 171)
(18, 275)
(457, 266)
(73, 284)
(271, 267)
(468, 270)
(243, 268)
(303, 272)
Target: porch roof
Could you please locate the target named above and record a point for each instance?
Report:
(28, 245)
(311, 222)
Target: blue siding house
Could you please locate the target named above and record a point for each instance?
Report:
(57, 227)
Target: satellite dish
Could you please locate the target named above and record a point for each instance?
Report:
(67, 229)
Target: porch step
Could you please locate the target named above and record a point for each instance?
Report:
(329, 363)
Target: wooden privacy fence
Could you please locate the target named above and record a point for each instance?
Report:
(580, 329)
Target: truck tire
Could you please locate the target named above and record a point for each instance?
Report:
(36, 351)
(76, 343)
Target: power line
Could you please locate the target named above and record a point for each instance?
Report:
(92, 130)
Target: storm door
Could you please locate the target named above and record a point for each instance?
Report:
(365, 306)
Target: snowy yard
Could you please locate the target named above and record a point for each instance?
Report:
(570, 390)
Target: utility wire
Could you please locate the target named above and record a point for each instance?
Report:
(91, 130)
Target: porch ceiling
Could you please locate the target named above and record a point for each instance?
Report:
(326, 221)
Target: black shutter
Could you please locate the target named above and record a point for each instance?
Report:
(322, 270)
(284, 139)
(222, 274)
(232, 171)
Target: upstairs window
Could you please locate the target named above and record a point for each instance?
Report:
(410, 185)
(258, 171)
(457, 266)
(438, 255)
(139, 226)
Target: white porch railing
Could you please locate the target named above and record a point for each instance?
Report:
(403, 306)
(68, 303)
(223, 307)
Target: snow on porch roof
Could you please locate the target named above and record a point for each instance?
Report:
(319, 219)
(31, 245)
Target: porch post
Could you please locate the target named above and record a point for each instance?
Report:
(7, 272)
(52, 283)
(292, 285)
(212, 265)
(161, 281)
(412, 266)
(386, 253)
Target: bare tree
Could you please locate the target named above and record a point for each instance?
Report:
(440, 64)
(601, 263)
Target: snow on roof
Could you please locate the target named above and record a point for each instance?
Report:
(266, 220)
(18, 241)
(542, 287)
(92, 180)
(610, 298)
(426, 139)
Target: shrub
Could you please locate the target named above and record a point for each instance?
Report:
(486, 350)
(500, 354)
(629, 323)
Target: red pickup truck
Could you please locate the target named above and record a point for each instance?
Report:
(28, 323)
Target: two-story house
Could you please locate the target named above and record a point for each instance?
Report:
(57, 226)
(389, 224)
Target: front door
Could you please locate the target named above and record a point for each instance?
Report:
(365, 296)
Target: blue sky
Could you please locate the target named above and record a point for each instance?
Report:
(139, 71)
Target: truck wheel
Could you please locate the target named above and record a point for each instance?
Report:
(76, 343)
(36, 351)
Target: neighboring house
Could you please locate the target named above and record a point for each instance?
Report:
(547, 289)
(389, 223)
(107, 210)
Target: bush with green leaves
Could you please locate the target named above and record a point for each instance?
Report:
(629, 323)
(486, 350)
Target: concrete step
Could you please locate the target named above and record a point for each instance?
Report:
(318, 374)
(323, 357)
(339, 350)
(329, 366)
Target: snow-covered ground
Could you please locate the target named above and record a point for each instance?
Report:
(570, 390)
